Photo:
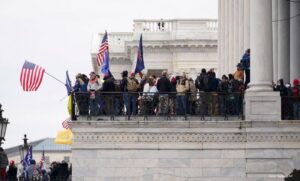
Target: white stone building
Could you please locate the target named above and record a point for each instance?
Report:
(260, 148)
(179, 45)
(53, 152)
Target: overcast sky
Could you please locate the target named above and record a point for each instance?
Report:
(57, 34)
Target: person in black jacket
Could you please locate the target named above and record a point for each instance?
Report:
(108, 89)
(12, 171)
(164, 88)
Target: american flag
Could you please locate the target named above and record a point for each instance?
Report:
(31, 76)
(65, 123)
(102, 50)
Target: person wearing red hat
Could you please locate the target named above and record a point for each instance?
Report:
(296, 104)
(12, 171)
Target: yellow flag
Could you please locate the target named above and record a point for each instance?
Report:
(70, 105)
(64, 137)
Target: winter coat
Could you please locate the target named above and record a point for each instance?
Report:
(182, 86)
(80, 86)
(164, 85)
(93, 85)
(3, 159)
(108, 86)
(12, 173)
(123, 84)
(245, 61)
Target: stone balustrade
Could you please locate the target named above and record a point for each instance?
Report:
(205, 25)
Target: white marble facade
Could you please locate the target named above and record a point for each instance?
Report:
(180, 45)
(184, 150)
(260, 148)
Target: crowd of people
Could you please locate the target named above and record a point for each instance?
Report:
(167, 94)
(58, 171)
(290, 98)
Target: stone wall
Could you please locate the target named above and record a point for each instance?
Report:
(184, 150)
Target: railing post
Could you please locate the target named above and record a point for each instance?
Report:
(73, 116)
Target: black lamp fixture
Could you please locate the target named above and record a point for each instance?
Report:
(3, 125)
(23, 148)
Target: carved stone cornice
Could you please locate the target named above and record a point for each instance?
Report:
(116, 134)
(119, 137)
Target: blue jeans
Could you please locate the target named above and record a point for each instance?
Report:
(181, 104)
(296, 111)
(130, 103)
(94, 109)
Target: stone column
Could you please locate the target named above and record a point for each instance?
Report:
(241, 29)
(246, 25)
(261, 102)
(226, 37)
(284, 40)
(231, 35)
(275, 39)
(220, 38)
(295, 41)
(236, 18)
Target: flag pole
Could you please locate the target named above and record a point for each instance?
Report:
(55, 78)
(141, 74)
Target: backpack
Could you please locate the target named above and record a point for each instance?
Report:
(132, 85)
(205, 83)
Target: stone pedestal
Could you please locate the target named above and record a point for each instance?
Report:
(262, 106)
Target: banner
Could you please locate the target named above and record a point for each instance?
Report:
(64, 137)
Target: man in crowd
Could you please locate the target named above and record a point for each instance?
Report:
(12, 171)
(108, 87)
(245, 62)
(92, 87)
(164, 88)
(182, 88)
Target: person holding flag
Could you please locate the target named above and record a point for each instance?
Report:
(140, 59)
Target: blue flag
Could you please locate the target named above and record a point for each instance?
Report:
(105, 66)
(68, 84)
(140, 58)
(26, 161)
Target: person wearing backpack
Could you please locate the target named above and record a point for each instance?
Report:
(202, 81)
(132, 88)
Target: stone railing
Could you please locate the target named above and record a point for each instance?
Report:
(200, 105)
(153, 25)
(205, 25)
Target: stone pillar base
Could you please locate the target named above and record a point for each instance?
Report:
(262, 106)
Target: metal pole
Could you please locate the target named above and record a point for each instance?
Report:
(55, 78)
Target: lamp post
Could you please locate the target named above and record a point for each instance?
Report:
(3, 125)
(23, 148)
